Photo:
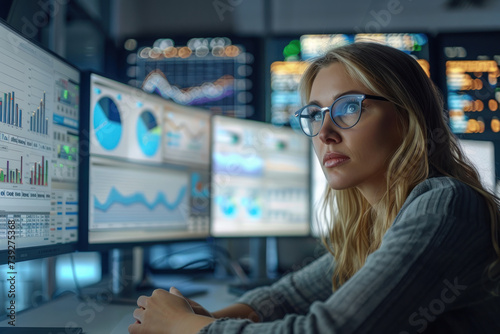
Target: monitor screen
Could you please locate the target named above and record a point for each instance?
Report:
(482, 155)
(417, 45)
(260, 179)
(470, 70)
(148, 169)
(285, 97)
(39, 143)
(212, 73)
(286, 70)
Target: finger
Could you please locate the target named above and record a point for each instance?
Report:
(134, 328)
(193, 303)
(158, 292)
(139, 314)
(173, 290)
(142, 301)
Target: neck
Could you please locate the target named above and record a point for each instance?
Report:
(373, 191)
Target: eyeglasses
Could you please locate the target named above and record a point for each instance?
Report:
(345, 112)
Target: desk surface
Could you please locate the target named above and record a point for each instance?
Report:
(102, 317)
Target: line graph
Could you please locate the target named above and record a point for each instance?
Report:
(132, 196)
(220, 82)
(115, 197)
(187, 136)
(157, 82)
(178, 127)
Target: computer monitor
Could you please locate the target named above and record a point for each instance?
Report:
(39, 150)
(469, 79)
(146, 177)
(260, 179)
(215, 73)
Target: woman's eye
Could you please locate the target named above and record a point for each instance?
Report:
(350, 108)
(315, 115)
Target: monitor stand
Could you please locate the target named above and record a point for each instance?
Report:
(127, 287)
(264, 252)
(121, 264)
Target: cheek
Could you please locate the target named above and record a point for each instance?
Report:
(378, 141)
(391, 133)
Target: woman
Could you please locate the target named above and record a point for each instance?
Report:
(415, 241)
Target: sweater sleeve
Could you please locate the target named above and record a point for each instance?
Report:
(430, 260)
(295, 292)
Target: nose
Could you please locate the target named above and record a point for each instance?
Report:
(329, 132)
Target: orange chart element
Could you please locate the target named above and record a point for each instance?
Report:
(471, 106)
(475, 126)
(289, 67)
(471, 66)
(495, 125)
(493, 105)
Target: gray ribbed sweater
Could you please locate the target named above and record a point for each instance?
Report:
(424, 278)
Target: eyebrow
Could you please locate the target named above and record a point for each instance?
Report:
(337, 96)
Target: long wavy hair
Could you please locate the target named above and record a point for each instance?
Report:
(356, 228)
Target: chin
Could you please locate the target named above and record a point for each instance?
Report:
(335, 185)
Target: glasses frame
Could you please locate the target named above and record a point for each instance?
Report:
(324, 110)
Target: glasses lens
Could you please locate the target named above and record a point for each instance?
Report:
(311, 119)
(347, 110)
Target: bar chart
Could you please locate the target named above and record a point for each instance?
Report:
(11, 171)
(9, 110)
(39, 123)
(39, 173)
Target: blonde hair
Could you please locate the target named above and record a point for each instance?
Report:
(356, 228)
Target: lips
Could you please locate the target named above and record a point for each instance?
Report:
(334, 159)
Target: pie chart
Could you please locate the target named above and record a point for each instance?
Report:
(107, 123)
(148, 133)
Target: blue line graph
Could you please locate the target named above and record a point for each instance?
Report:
(133, 197)
(116, 197)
